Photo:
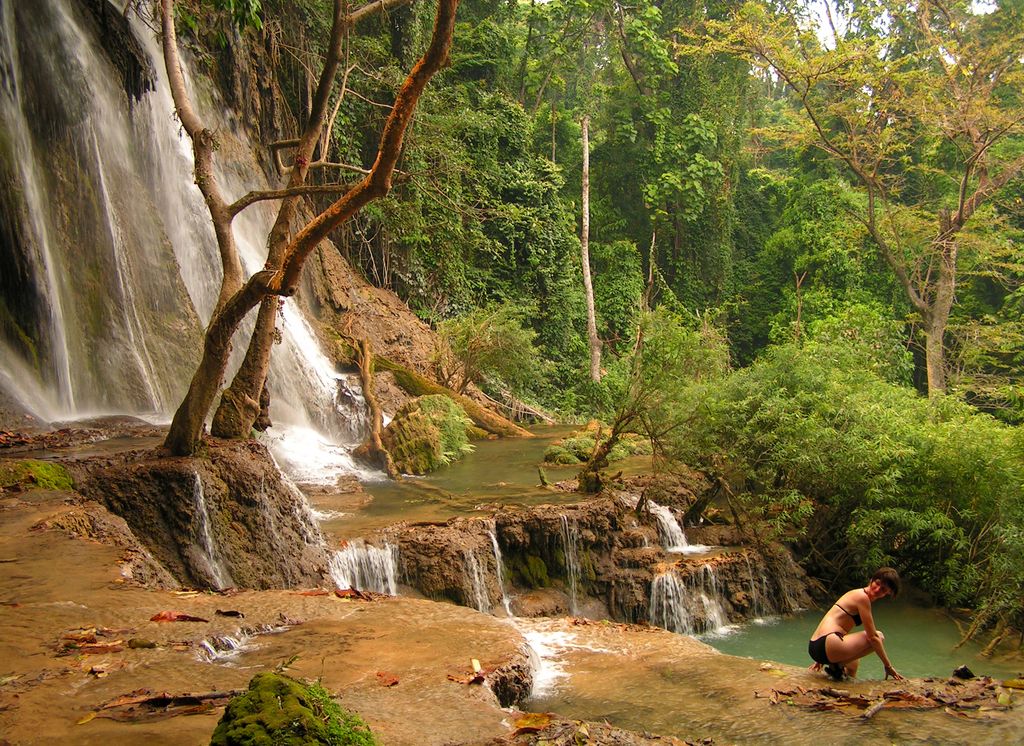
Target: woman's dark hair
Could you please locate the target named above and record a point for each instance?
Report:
(889, 578)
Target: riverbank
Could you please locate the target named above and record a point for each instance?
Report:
(78, 598)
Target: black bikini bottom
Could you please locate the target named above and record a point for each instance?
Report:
(816, 648)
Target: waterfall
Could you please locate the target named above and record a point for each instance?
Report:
(220, 575)
(573, 576)
(689, 606)
(114, 268)
(366, 568)
(673, 538)
(476, 576)
(760, 598)
(222, 647)
(492, 531)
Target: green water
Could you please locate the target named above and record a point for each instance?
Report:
(919, 642)
(499, 473)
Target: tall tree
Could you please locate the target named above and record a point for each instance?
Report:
(922, 106)
(588, 284)
(281, 276)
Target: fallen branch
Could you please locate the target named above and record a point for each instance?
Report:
(144, 704)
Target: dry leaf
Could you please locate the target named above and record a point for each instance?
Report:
(386, 679)
(175, 616)
(100, 648)
(532, 722)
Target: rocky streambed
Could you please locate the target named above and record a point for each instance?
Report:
(106, 640)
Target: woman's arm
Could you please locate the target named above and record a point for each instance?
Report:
(875, 639)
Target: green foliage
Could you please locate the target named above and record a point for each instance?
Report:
(862, 472)
(863, 335)
(426, 434)
(489, 347)
(557, 454)
(280, 711)
(33, 474)
(244, 13)
(617, 296)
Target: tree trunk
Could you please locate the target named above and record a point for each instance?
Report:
(185, 433)
(239, 405)
(374, 448)
(942, 304)
(186, 430)
(588, 286)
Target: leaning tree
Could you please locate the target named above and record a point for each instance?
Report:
(286, 253)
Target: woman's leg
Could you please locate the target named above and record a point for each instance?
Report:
(849, 650)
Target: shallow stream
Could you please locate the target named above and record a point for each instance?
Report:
(919, 640)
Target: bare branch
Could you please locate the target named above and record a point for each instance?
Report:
(262, 196)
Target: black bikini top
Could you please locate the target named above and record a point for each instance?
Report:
(854, 617)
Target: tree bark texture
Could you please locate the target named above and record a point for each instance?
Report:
(374, 446)
(588, 285)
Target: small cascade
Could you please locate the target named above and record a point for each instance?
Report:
(476, 577)
(492, 531)
(672, 537)
(570, 541)
(366, 568)
(760, 596)
(222, 647)
(690, 606)
(219, 574)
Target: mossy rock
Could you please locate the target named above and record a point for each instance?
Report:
(530, 571)
(426, 434)
(280, 711)
(581, 446)
(30, 473)
(556, 454)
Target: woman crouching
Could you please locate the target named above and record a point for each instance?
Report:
(834, 648)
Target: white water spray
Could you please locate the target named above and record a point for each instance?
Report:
(492, 531)
(476, 577)
(220, 575)
(366, 568)
(689, 606)
(570, 540)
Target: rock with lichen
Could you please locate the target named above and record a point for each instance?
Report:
(427, 433)
(280, 711)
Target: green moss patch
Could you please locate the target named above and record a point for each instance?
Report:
(426, 434)
(33, 474)
(578, 446)
(280, 711)
(556, 454)
(530, 571)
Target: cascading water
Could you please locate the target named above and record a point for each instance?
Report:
(366, 568)
(492, 532)
(673, 538)
(573, 575)
(476, 578)
(689, 606)
(760, 597)
(113, 268)
(220, 576)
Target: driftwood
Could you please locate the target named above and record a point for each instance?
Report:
(374, 446)
(144, 704)
(982, 695)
